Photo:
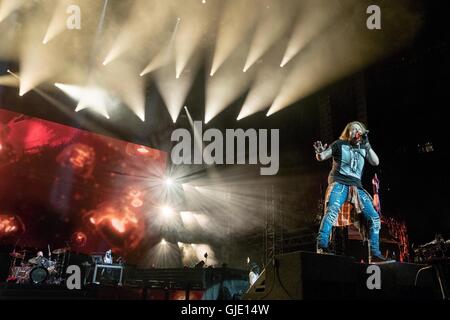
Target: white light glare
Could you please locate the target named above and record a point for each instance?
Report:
(166, 211)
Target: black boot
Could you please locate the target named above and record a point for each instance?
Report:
(321, 250)
(377, 259)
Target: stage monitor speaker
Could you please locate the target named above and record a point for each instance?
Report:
(306, 275)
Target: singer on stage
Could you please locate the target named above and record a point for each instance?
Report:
(349, 153)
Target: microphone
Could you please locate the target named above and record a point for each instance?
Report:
(362, 136)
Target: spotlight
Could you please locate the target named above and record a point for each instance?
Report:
(163, 241)
(89, 97)
(180, 244)
(13, 74)
(168, 181)
(166, 211)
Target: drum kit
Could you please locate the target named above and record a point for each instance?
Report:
(433, 250)
(38, 270)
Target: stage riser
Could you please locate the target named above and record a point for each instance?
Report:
(304, 275)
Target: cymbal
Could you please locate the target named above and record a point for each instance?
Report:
(33, 261)
(16, 255)
(60, 250)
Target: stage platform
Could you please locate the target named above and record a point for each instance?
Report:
(292, 276)
(142, 284)
(311, 276)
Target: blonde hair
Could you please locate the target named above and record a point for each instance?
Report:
(345, 135)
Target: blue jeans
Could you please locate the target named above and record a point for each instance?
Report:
(336, 199)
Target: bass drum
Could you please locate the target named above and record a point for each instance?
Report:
(38, 275)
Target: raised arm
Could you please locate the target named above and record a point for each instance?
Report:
(371, 156)
(322, 152)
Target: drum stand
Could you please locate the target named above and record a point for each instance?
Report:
(11, 269)
(437, 265)
(61, 268)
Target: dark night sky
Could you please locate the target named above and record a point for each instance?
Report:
(407, 96)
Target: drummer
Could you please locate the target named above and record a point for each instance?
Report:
(39, 256)
(39, 259)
